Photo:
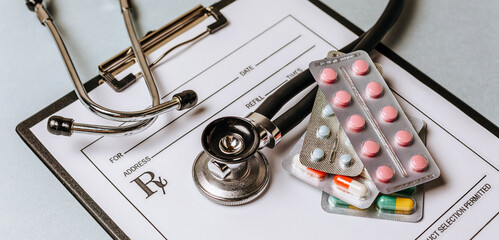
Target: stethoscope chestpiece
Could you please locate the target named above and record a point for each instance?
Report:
(231, 170)
(230, 139)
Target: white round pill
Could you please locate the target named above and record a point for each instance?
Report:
(345, 160)
(327, 111)
(317, 155)
(323, 132)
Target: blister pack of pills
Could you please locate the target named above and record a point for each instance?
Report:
(405, 206)
(374, 122)
(328, 148)
(358, 191)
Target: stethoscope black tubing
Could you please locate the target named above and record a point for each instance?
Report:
(387, 19)
(293, 116)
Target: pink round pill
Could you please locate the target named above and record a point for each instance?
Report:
(418, 163)
(356, 123)
(384, 173)
(374, 89)
(341, 99)
(403, 138)
(370, 148)
(328, 75)
(360, 67)
(389, 113)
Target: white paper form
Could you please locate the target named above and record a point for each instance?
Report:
(266, 44)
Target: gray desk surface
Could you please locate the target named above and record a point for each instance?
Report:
(453, 42)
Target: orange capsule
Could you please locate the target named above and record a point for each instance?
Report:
(319, 175)
(351, 186)
(316, 173)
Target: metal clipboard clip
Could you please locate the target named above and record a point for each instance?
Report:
(156, 39)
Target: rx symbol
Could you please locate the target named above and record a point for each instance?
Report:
(149, 178)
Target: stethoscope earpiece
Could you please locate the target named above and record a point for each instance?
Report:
(186, 99)
(58, 125)
(32, 3)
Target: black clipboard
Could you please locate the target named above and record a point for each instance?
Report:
(23, 129)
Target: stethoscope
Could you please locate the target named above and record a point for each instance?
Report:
(231, 170)
(141, 119)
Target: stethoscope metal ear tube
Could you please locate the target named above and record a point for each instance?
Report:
(143, 118)
(58, 125)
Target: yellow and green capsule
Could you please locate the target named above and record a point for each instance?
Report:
(396, 205)
(340, 203)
